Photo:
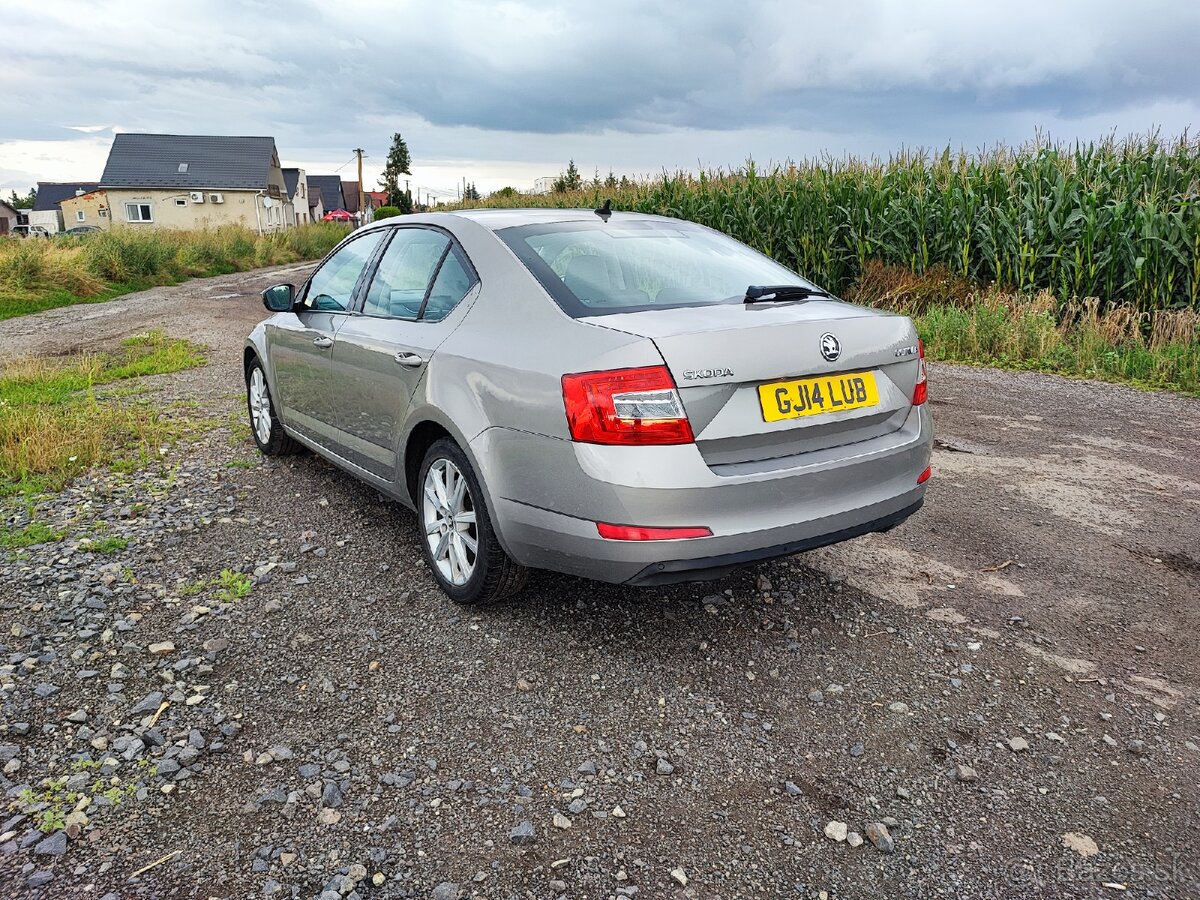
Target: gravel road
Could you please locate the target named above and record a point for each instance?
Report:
(997, 699)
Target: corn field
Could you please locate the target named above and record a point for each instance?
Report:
(1117, 220)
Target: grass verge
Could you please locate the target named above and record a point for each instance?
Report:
(52, 426)
(39, 275)
(1157, 350)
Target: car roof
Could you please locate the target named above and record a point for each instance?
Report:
(496, 219)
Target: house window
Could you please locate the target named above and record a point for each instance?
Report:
(180, 202)
(80, 216)
(138, 212)
(103, 212)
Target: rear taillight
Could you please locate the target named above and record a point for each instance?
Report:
(921, 391)
(626, 406)
(924, 476)
(636, 533)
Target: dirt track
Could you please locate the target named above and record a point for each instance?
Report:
(1049, 591)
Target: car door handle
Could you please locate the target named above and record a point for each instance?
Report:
(323, 342)
(410, 360)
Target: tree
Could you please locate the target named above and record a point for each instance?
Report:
(22, 202)
(569, 180)
(611, 181)
(470, 193)
(398, 163)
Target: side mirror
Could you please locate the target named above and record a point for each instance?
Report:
(280, 298)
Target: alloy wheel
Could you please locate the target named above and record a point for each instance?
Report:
(260, 406)
(451, 528)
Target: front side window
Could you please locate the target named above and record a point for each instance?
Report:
(593, 269)
(138, 212)
(332, 286)
(407, 268)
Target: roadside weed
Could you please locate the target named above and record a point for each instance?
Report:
(53, 426)
(32, 534)
(232, 585)
(109, 544)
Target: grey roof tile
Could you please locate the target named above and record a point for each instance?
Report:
(52, 193)
(331, 191)
(188, 161)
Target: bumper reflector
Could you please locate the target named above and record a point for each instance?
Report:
(924, 476)
(634, 533)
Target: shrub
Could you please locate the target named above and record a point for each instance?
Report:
(387, 212)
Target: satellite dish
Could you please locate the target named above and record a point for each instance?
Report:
(267, 202)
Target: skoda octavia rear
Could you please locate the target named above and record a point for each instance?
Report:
(629, 398)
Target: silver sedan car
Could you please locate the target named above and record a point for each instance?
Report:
(629, 398)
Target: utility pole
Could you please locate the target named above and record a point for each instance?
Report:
(361, 198)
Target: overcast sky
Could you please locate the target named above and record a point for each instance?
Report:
(504, 92)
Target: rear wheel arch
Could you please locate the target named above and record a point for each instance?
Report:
(420, 439)
(423, 436)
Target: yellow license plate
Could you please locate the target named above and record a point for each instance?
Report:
(813, 396)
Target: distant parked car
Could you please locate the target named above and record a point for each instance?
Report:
(26, 231)
(629, 398)
(80, 230)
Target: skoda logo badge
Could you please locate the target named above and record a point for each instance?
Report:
(831, 349)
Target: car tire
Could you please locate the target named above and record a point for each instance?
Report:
(265, 426)
(452, 512)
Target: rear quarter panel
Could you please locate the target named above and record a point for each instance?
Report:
(503, 366)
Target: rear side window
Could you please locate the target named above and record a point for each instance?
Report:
(593, 269)
(420, 276)
(453, 281)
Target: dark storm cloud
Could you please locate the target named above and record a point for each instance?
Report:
(313, 75)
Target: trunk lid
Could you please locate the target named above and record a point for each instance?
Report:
(721, 355)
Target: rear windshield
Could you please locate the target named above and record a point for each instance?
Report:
(598, 268)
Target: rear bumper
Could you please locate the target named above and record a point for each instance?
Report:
(548, 494)
(709, 568)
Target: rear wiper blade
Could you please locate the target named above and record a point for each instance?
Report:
(772, 293)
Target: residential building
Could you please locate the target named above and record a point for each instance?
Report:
(196, 181)
(316, 205)
(89, 208)
(46, 211)
(351, 195)
(330, 187)
(297, 191)
(8, 218)
(543, 185)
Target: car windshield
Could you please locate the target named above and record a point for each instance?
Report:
(598, 268)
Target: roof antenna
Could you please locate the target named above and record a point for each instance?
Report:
(605, 211)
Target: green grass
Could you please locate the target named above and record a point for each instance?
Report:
(232, 585)
(1024, 339)
(1155, 350)
(109, 544)
(192, 588)
(51, 803)
(53, 426)
(39, 275)
(32, 534)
